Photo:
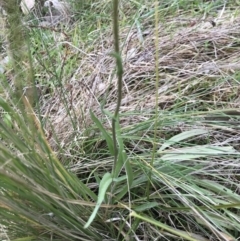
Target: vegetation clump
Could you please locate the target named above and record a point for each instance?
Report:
(162, 166)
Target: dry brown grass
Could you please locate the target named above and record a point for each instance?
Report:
(198, 64)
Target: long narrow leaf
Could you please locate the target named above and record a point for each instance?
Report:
(189, 153)
(105, 134)
(123, 156)
(104, 184)
(182, 136)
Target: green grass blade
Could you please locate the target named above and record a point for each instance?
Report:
(220, 190)
(106, 136)
(122, 157)
(146, 206)
(104, 184)
(182, 136)
(189, 153)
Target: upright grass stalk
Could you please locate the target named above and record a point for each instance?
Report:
(119, 66)
(156, 95)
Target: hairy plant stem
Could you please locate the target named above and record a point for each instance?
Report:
(119, 67)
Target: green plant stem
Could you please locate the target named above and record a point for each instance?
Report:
(119, 66)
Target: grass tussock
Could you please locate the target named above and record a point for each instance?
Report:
(177, 170)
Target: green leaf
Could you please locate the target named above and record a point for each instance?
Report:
(182, 136)
(194, 152)
(146, 206)
(122, 162)
(218, 221)
(97, 178)
(7, 120)
(220, 190)
(128, 168)
(4, 105)
(106, 136)
(108, 113)
(104, 184)
(122, 157)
